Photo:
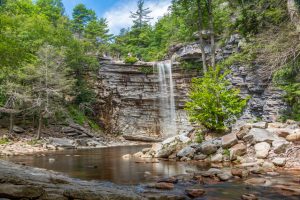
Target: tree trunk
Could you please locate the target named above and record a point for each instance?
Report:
(212, 34)
(11, 123)
(200, 36)
(39, 125)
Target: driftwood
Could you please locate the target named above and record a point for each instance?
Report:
(141, 138)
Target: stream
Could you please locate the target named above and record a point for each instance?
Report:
(108, 165)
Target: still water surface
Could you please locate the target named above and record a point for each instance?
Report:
(107, 164)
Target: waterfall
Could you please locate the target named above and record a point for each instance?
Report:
(167, 109)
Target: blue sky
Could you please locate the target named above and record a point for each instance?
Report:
(117, 12)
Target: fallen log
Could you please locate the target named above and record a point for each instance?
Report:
(141, 138)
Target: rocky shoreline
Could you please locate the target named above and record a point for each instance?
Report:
(69, 137)
(257, 145)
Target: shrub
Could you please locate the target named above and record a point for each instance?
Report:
(130, 60)
(4, 140)
(213, 103)
(199, 137)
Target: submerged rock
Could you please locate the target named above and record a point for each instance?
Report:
(194, 193)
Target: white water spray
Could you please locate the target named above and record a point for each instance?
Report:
(166, 99)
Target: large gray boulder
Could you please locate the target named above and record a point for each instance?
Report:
(62, 143)
(257, 135)
(186, 152)
(207, 147)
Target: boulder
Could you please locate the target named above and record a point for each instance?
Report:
(208, 147)
(217, 158)
(280, 162)
(283, 132)
(293, 137)
(262, 125)
(186, 152)
(237, 150)
(229, 140)
(20, 191)
(18, 129)
(240, 172)
(194, 193)
(164, 186)
(256, 181)
(279, 146)
(165, 151)
(242, 132)
(62, 143)
(268, 166)
(262, 149)
(224, 176)
(200, 156)
(257, 135)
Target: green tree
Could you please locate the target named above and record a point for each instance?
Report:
(53, 9)
(213, 103)
(81, 17)
(141, 16)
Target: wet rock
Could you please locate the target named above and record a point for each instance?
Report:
(268, 166)
(257, 135)
(249, 197)
(20, 191)
(164, 186)
(211, 172)
(126, 156)
(18, 129)
(280, 162)
(229, 140)
(262, 125)
(237, 150)
(293, 137)
(200, 156)
(168, 180)
(186, 152)
(256, 181)
(224, 176)
(165, 152)
(240, 172)
(217, 158)
(194, 193)
(280, 146)
(262, 149)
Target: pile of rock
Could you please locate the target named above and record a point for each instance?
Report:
(263, 144)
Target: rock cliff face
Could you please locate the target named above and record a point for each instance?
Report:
(129, 98)
(129, 94)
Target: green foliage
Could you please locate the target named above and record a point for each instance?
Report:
(212, 102)
(130, 60)
(199, 138)
(226, 152)
(4, 140)
(146, 70)
(81, 17)
(288, 78)
(82, 119)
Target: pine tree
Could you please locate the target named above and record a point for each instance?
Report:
(141, 16)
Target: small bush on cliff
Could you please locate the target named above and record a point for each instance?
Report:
(213, 103)
(130, 60)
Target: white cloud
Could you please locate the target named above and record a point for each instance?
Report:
(119, 16)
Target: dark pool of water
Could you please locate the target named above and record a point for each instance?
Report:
(107, 164)
(104, 164)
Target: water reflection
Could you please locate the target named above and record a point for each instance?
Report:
(105, 164)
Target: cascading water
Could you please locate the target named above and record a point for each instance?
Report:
(168, 125)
